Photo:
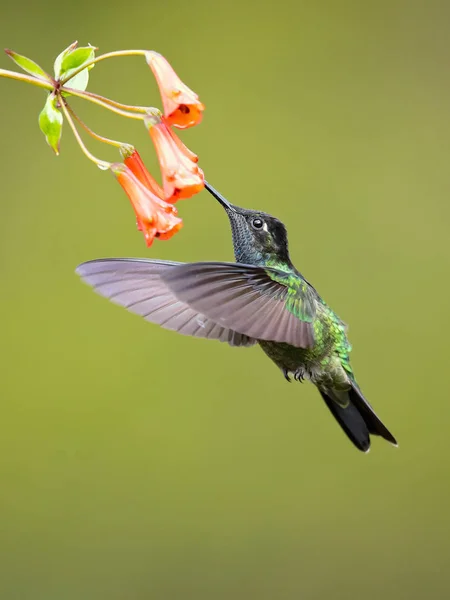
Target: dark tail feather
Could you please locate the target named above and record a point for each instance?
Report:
(350, 420)
(357, 418)
(374, 424)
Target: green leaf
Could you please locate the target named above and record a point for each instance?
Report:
(75, 59)
(70, 61)
(50, 122)
(28, 65)
(60, 57)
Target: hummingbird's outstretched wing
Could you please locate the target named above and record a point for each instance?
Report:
(136, 284)
(263, 302)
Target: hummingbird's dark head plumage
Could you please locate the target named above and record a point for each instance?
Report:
(258, 238)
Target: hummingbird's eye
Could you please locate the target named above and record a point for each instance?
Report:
(257, 223)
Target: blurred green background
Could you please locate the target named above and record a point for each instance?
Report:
(137, 464)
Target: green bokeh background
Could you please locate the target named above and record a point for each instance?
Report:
(138, 464)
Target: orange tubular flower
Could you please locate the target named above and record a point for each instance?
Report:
(182, 108)
(182, 178)
(182, 147)
(155, 217)
(135, 163)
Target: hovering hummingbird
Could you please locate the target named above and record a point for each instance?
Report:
(261, 299)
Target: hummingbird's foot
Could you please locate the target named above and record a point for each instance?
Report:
(286, 375)
(299, 375)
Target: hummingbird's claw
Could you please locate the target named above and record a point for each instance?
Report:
(299, 375)
(286, 375)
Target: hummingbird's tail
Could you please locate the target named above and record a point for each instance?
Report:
(356, 417)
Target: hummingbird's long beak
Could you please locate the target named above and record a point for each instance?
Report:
(223, 201)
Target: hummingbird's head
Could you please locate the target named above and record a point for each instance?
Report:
(258, 238)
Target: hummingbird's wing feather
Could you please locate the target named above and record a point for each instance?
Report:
(136, 285)
(258, 301)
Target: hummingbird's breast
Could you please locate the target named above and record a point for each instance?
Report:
(291, 358)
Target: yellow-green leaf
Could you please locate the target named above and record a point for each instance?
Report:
(70, 61)
(28, 65)
(75, 59)
(50, 122)
(60, 58)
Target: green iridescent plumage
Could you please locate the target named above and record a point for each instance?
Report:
(300, 301)
(328, 361)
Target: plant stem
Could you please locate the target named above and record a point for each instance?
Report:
(127, 107)
(27, 79)
(96, 136)
(104, 57)
(100, 163)
(96, 100)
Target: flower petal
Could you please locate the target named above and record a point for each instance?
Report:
(168, 225)
(181, 176)
(182, 147)
(134, 162)
(182, 108)
(155, 218)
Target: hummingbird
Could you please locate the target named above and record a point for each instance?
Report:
(259, 299)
